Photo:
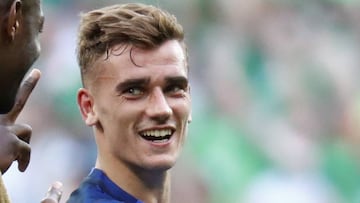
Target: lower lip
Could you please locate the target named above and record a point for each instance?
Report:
(162, 143)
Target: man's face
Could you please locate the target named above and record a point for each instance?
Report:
(19, 55)
(143, 109)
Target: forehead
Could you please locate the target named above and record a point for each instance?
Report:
(169, 53)
(124, 61)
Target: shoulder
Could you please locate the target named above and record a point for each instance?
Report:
(98, 188)
(90, 191)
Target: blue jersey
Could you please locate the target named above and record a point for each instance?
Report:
(98, 188)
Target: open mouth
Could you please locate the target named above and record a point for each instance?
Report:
(160, 135)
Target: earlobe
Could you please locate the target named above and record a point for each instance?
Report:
(12, 22)
(86, 106)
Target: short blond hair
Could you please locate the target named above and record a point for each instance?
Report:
(138, 25)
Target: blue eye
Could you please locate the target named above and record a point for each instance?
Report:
(175, 90)
(134, 91)
(176, 86)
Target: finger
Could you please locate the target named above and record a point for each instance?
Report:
(21, 147)
(23, 157)
(54, 193)
(5, 165)
(23, 94)
(15, 140)
(22, 131)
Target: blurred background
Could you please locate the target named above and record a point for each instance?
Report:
(276, 103)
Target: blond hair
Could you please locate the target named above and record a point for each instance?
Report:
(138, 25)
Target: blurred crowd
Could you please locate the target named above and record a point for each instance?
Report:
(275, 88)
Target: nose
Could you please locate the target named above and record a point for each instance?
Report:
(158, 108)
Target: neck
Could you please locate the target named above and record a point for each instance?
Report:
(151, 186)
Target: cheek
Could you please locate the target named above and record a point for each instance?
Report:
(32, 51)
(182, 109)
(35, 45)
(182, 115)
(119, 119)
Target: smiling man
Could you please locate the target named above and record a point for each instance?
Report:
(136, 98)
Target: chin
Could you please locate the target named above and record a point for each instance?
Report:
(161, 165)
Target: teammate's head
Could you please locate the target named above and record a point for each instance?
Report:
(21, 22)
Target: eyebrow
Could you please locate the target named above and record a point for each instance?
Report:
(131, 83)
(135, 82)
(177, 80)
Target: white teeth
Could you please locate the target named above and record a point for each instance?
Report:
(157, 133)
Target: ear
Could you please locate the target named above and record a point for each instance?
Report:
(12, 21)
(86, 106)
